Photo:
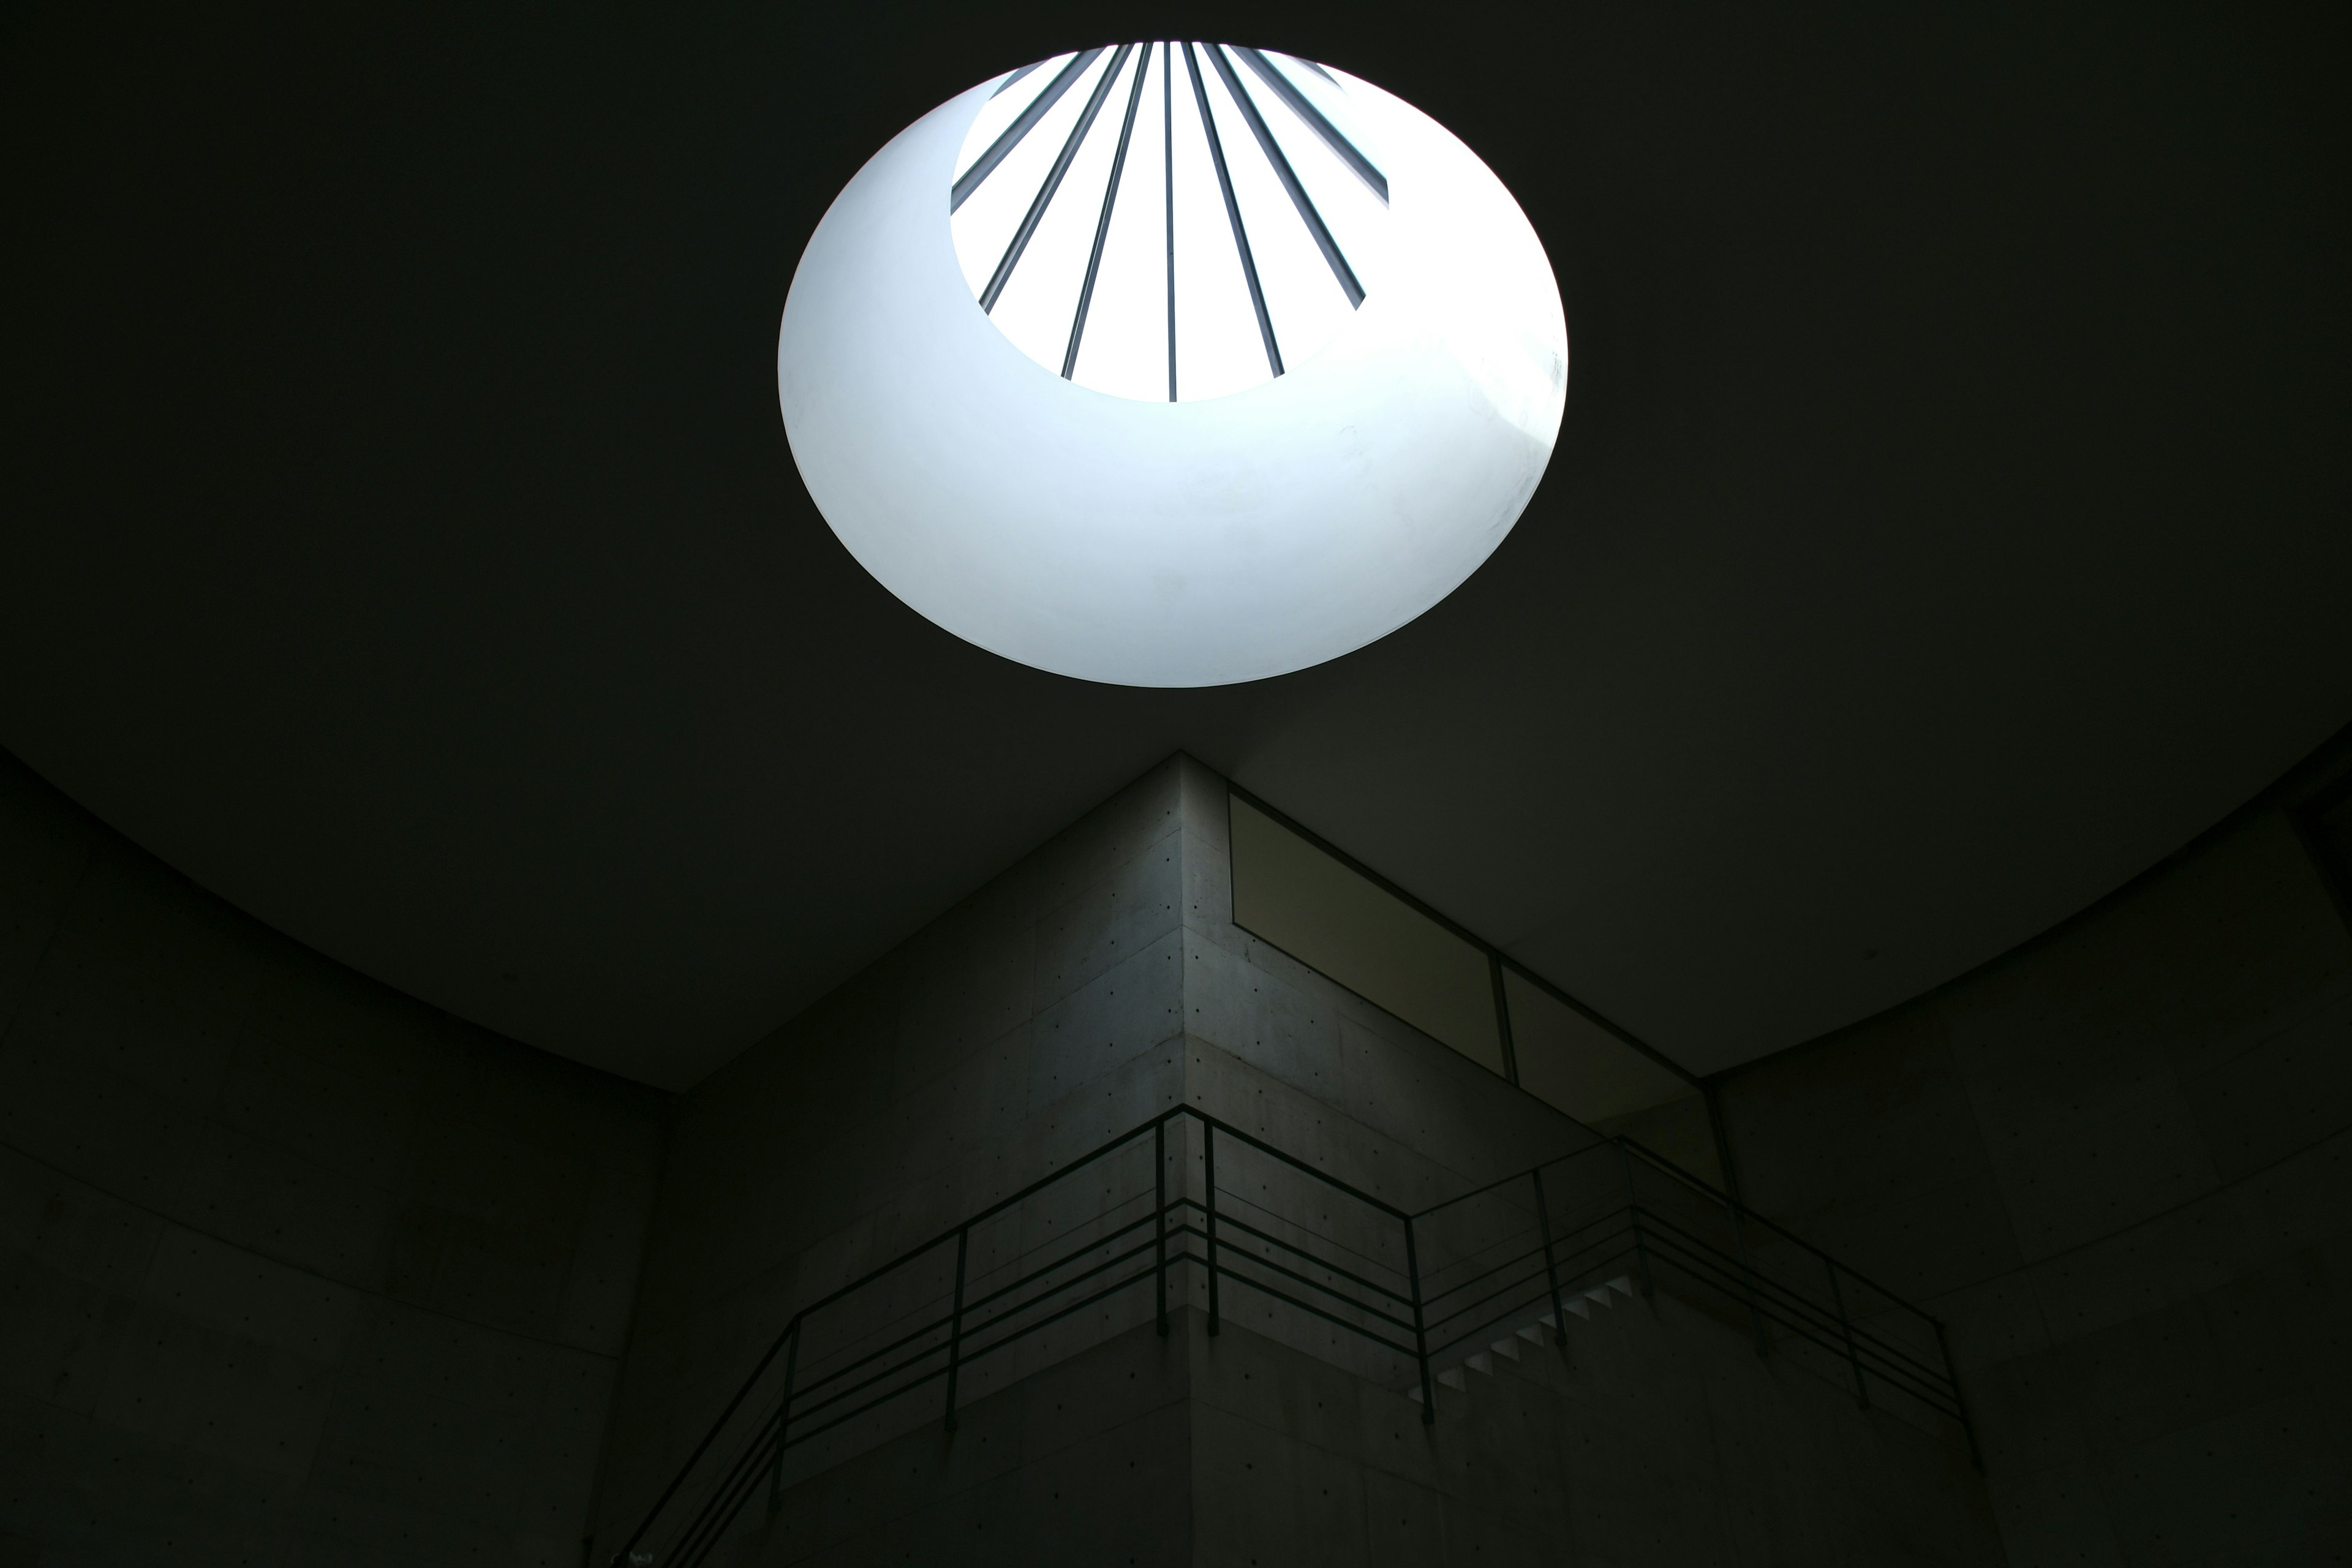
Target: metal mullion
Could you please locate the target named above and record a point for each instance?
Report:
(1102, 224)
(998, 150)
(1300, 105)
(1233, 214)
(1316, 227)
(1168, 178)
(1053, 182)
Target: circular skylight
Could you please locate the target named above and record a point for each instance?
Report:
(1173, 364)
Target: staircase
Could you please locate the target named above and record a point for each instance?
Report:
(1188, 1210)
(1542, 1332)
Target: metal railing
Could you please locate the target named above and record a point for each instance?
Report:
(1105, 1243)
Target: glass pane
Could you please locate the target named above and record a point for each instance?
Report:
(1576, 1066)
(1326, 916)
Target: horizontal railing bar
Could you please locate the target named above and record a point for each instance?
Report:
(1502, 1182)
(1364, 1307)
(708, 1437)
(718, 1511)
(1248, 1229)
(1790, 1293)
(898, 1262)
(1561, 1260)
(1295, 1164)
(1361, 1333)
(1811, 1332)
(1135, 1251)
(1227, 1198)
(1503, 1318)
(1062, 1262)
(1751, 1280)
(1670, 1237)
(1469, 1307)
(1113, 1289)
(1005, 1308)
(810, 1386)
(1191, 1234)
(969, 1355)
(1662, 1162)
(835, 1397)
(998, 1208)
(747, 1465)
(852, 1415)
(1471, 1281)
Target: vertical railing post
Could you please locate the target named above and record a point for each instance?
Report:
(1551, 1269)
(955, 1324)
(1159, 1215)
(1419, 1333)
(784, 1422)
(1748, 1278)
(1209, 1174)
(1845, 1327)
(1633, 1213)
(1960, 1400)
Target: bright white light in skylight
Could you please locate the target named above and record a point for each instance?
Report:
(1172, 365)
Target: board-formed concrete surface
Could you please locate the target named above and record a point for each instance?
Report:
(1094, 984)
(2119, 1163)
(293, 1271)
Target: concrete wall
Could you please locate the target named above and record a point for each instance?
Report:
(1659, 1437)
(1094, 984)
(1097, 981)
(2119, 1163)
(293, 1269)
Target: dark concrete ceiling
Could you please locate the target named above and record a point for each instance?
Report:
(1951, 518)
